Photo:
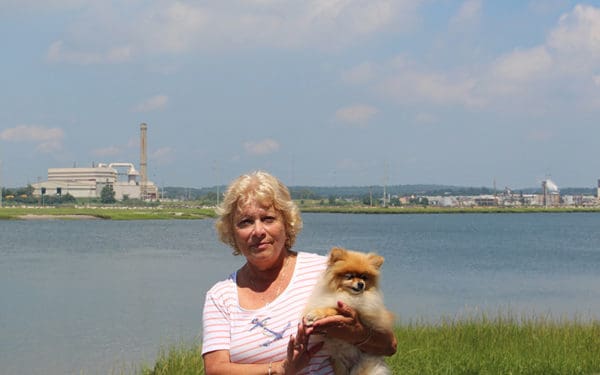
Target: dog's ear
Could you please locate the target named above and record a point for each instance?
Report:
(376, 260)
(336, 253)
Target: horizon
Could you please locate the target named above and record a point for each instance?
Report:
(428, 185)
(465, 93)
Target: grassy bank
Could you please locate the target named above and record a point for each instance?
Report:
(443, 210)
(174, 212)
(113, 213)
(474, 346)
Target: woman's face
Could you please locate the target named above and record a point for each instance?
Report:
(259, 233)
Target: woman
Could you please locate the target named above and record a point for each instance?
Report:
(251, 320)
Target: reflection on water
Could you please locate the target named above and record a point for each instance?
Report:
(88, 296)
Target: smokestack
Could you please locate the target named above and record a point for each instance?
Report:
(143, 162)
(545, 192)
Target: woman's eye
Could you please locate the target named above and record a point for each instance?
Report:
(269, 219)
(244, 223)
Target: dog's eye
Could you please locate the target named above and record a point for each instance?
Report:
(364, 277)
(349, 276)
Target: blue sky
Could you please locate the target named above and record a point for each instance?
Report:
(318, 92)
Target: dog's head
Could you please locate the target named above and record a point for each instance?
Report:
(353, 272)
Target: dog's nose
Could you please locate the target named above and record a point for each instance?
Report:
(360, 285)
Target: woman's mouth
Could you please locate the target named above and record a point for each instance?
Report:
(262, 245)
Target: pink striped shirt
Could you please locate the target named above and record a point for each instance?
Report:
(262, 335)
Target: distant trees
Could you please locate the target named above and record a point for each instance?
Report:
(52, 199)
(107, 195)
(24, 195)
(304, 194)
(19, 195)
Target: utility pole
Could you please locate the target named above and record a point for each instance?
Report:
(385, 181)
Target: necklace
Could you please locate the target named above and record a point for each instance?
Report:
(281, 280)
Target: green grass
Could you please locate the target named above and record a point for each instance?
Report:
(179, 359)
(179, 212)
(113, 213)
(504, 345)
(443, 210)
(532, 346)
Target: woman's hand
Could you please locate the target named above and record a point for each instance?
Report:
(347, 326)
(298, 352)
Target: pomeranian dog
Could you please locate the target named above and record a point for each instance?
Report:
(351, 277)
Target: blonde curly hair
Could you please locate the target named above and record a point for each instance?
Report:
(266, 190)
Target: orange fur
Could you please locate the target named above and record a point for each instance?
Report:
(353, 278)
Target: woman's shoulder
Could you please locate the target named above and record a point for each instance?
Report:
(311, 260)
(224, 287)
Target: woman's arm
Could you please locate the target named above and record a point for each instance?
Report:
(298, 356)
(218, 362)
(347, 327)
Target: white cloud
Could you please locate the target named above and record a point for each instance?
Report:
(154, 103)
(37, 5)
(575, 41)
(106, 151)
(565, 63)
(58, 53)
(578, 31)
(470, 11)
(47, 139)
(264, 147)
(172, 27)
(519, 72)
(407, 83)
(360, 74)
(356, 115)
(523, 65)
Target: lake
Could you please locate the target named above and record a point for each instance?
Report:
(97, 297)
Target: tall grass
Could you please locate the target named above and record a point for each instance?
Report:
(481, 345)
(502, 345)
(179, 359)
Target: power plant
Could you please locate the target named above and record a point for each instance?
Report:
(550, 193)
(125, 180)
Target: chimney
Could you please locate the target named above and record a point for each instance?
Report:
(143, 162)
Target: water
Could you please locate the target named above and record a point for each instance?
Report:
(95, 297)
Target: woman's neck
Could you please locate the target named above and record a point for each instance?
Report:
(270, 274)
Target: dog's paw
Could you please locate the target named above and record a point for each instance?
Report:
(312, 316)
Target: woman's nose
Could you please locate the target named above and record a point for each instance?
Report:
(259, 228)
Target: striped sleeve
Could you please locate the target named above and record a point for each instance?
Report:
(216, 318)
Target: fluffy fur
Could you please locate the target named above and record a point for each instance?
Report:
(351, 277)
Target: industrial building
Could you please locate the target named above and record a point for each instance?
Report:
(125, 180)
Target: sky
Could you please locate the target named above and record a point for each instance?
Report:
(317, 92)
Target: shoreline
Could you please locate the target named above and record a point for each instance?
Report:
(104, 213)
(169, 213)
(57, 217)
